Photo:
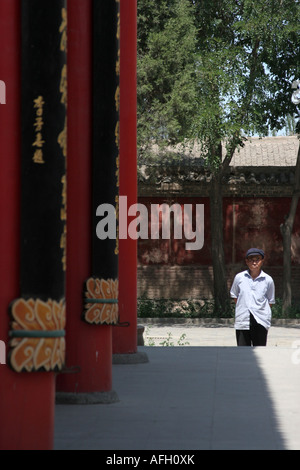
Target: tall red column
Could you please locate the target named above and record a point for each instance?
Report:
(89, 347)
(26, 400)
(125, 338)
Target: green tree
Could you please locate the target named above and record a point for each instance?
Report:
(249, 54)
(166, 72)
(286, 227)
(237, 60)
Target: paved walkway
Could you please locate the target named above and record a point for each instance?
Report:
(205, 395)
(213, 334)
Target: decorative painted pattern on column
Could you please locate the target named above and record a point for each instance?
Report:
(38, 316)
(101, 289)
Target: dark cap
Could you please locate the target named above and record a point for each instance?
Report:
(255, 251)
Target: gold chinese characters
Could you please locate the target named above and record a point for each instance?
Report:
(38, 125)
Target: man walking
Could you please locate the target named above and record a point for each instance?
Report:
(253, 292)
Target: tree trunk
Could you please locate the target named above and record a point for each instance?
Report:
(221, 294)
(286, 229)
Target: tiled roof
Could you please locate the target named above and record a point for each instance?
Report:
(278, 151)
(267, 151)
(262, 162)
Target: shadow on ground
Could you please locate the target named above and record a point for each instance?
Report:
(184, 398)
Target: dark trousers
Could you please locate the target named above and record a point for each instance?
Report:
(255, 336)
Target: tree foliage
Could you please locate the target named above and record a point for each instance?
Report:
(215, 70)
(167, 84)
(249, 55)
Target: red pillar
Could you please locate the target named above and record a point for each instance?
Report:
(125, 338)
(89, 347)
(26, 400)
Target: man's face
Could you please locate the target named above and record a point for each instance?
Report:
(254, 262)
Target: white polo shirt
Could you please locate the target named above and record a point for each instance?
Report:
(253, 296)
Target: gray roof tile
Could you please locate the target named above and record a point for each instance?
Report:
(268, 151)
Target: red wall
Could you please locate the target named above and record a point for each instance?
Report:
(247, 222)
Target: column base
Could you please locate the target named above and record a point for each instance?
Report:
(134, 358)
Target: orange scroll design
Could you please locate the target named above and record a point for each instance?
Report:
(37, 335)
(101, 301)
